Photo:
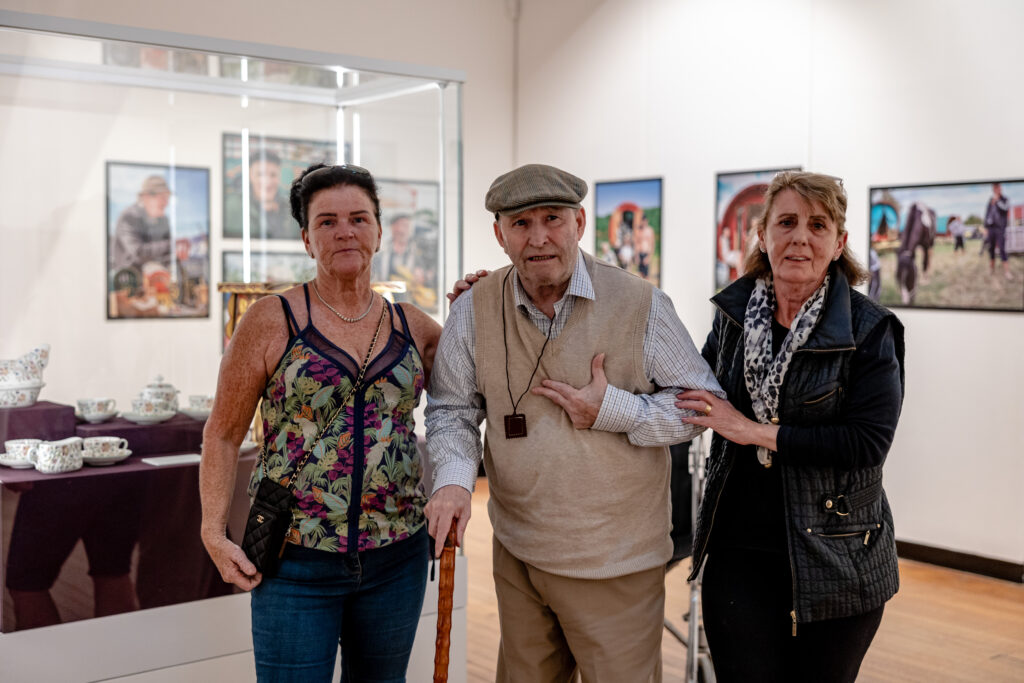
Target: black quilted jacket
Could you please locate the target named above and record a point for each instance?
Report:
(836, 430)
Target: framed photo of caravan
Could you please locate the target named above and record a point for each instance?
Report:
(627, 226)
(739, 201)
(158, 241)
(948, 245)
(264, 181)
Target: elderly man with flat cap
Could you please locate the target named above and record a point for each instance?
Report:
(575, 365)
(143, 232)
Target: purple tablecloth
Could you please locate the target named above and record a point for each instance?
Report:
(42, 420)
(180, 434)
(155, 510)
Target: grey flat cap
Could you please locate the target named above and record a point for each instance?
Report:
(534, 185)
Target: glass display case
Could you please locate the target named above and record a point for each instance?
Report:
(141, 170)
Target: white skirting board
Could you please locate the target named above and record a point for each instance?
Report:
(203, 640)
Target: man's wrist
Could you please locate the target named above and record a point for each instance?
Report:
(455, 473)
(618, 411)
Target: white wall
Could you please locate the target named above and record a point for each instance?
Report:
(915, 91)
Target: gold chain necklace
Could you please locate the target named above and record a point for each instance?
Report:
(343, 317)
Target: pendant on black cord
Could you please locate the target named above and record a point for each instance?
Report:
(515, 426)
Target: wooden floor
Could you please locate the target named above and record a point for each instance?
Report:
(943, 625)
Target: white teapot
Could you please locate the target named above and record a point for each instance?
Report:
(161, 391)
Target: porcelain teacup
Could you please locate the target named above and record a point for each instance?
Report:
(200, 402)
(94, 406)
(101, 446)
(59, 456)
(23, 450)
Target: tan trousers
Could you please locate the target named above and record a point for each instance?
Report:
(552, 626)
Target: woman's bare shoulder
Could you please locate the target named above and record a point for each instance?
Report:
(264, 323)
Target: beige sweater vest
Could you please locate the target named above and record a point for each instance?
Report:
(577, 503)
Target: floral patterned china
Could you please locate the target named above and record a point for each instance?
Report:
(16, 464)
(104, 445)
(200, 402)
(104, 460)
(53, 457)
(159, 390)
(150, 406)
(19, 395)
(27, 369)
(21, 453)
(149, 418)
(96, 418)
(92, 406)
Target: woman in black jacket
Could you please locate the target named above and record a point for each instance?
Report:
(794, 531)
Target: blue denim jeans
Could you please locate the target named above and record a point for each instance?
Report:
(368, 603)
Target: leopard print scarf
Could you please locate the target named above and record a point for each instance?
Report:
(762, 373)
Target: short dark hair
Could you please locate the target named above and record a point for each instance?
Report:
(321, 177)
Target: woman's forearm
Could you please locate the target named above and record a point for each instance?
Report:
(217, 472)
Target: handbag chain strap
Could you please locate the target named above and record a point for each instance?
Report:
(327, 425)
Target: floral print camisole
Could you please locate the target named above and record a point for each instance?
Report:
(364, 491)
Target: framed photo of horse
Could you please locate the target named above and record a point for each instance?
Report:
(628, 221)
(948, 246)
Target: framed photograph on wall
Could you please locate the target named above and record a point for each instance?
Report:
(158, 241)
(409, 256)
(627, 226)
(739, 201)
(273, 164)
(949, 245)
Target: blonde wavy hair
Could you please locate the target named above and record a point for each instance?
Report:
(815, 188)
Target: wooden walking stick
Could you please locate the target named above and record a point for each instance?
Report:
(445, 591)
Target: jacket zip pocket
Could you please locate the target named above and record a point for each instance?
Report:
(864, 531)
(821, 398)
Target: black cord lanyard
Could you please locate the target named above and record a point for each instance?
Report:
(515, 424)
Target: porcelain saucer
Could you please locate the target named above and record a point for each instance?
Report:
(149, 419)
(196, 413)
(103, 460)
(96, 418)
(16, 463)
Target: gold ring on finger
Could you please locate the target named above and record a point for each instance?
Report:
(707, 408)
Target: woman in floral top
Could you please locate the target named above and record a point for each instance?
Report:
(354, 567)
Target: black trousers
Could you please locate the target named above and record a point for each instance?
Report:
(747, 599)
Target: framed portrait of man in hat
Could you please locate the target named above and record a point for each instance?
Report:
(407, 263)
(158, 241)
(258, 174)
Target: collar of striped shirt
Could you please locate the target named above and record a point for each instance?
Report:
(580, 285)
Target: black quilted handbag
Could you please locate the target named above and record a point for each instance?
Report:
(269, 519)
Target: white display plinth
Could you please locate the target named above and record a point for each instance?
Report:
(202, 640)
